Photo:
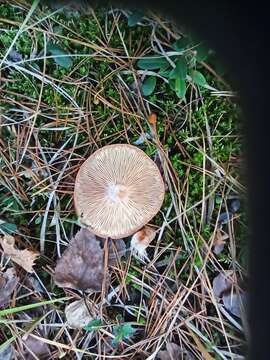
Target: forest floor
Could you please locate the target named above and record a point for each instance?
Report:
(72, 82)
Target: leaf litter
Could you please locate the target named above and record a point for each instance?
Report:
(219, 241)
(63, 60)
(36, 349)
(222, 282)
(174, 352)
(8, 283)
(24, 258)
(77, 314)
(81, 266)
(141, 240)
(224, 288)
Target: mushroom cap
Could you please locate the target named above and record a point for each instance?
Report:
(118, 190)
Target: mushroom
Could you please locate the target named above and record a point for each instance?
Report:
(118, 190)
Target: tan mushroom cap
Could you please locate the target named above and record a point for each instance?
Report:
(118, 190)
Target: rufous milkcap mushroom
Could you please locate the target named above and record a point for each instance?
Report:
(118, 190)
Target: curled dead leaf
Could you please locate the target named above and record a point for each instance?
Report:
(141, 240)
(219, 241)
(24, 258)
(234, 302)
(8, 282)
(174, 352)
(223, 282)
(77, 314)
(36, 349)
(81, 267)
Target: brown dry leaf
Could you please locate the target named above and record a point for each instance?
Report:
(117, 249)
(219, 241)
(25, 258)
(141, 239)
(77, 314)
(152, 119)
(174, 352)
(223, 282)
(37, 347)
(81, 266)
(8, 282)
(235, 303)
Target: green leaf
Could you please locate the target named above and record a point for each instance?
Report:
(8, 227)
(134, 18)
(152, 63)
(57, 53)
(38, 220)
(165, 70)
(93, 325)
(122, 332)
(181, 44)
(180, 87)
(198, 78)
(149, 85)
(180, 70)
(172, 84)
(202, 52)
(10, 202)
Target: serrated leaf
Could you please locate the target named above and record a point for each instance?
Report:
(93, 325)
(180, 70)
(134, 18)
(122, 332)
(152, 63)
(149, 85)
(198, 78)
(180, 87)
(57, 53)
(25, 258)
